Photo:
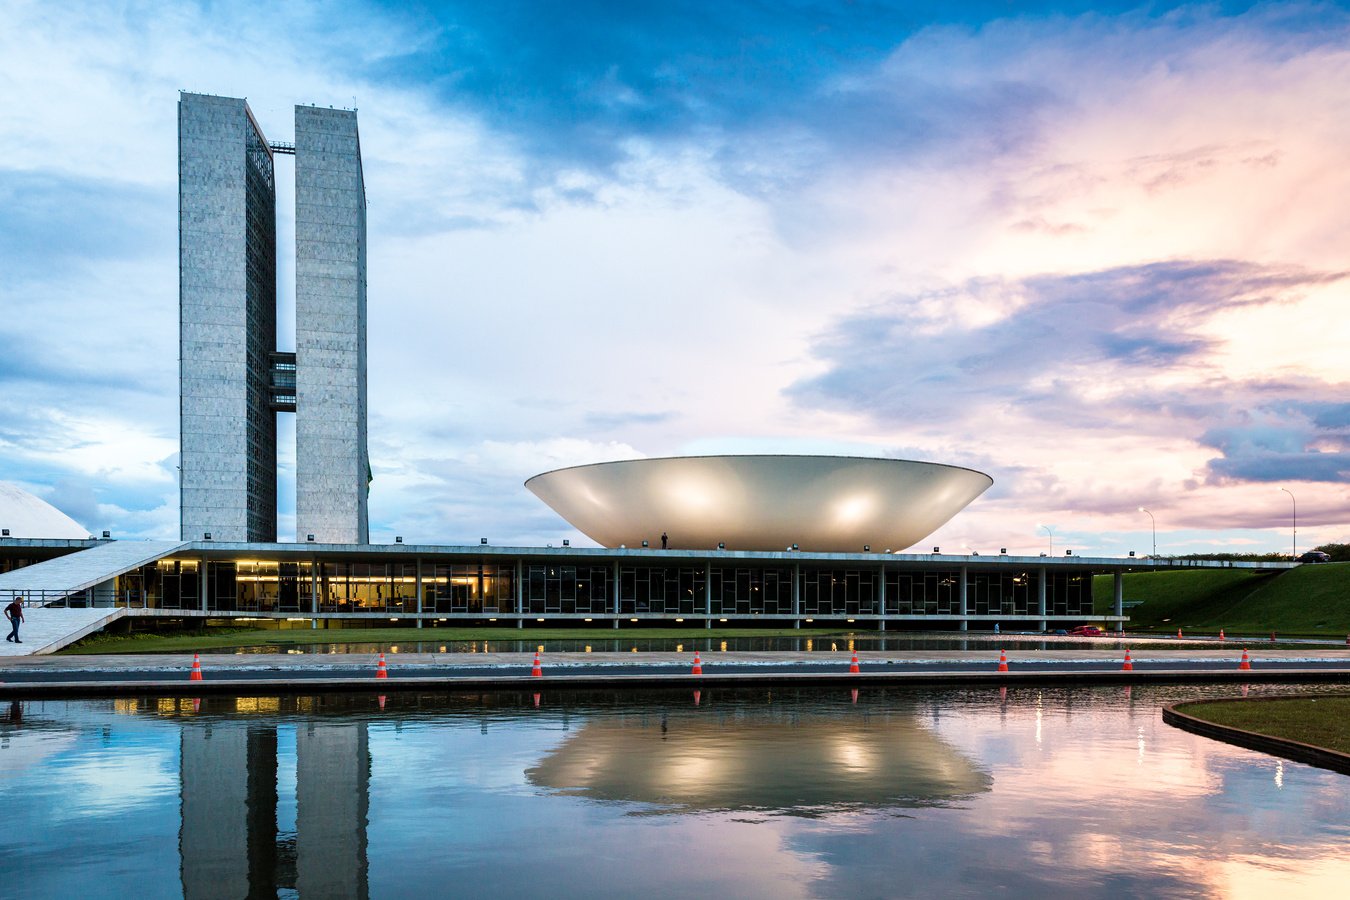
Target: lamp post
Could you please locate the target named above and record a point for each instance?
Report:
(1050, 530)
(1155, 529)
(1295, 502)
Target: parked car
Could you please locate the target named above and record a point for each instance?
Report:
(1314, 556)
(1086, 631)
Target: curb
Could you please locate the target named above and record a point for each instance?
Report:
(1312, 755)
(401, 682)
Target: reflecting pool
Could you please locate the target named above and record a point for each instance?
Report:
(752, 793)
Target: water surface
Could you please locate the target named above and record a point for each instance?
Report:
(756, 793)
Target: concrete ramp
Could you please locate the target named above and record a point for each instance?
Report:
(60, 579)
(46, 630)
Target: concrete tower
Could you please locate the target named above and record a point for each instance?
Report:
(227, 240)
(332, 468)
(233, 378)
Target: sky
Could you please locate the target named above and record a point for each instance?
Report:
(1094, 250)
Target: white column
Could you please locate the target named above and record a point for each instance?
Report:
(1120, 600)
(520, 593)
(707, 593)
(965, 607)
(418, 589)
(881, 599)
(1040, 590)
(796, 595)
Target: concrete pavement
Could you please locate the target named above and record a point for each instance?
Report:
(289, 672)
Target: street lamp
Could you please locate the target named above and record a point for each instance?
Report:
(1050, 530)
(1295, 502)
(1155, 529)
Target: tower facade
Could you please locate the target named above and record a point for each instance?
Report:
(233, 378)
(330, 328)
(227, 240)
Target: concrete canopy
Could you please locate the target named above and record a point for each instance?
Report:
(820, 503)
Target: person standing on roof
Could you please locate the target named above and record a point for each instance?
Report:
(14, 612)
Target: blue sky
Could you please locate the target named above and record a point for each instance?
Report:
(1094, 250)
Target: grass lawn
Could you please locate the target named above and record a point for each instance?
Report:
(237, 637)
(1308, 600)
(1321, 721)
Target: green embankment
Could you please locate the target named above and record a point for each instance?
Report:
(1320, 721)
(243, 638)
(1308, 600)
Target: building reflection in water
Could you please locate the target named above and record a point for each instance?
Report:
(763, 760)
(229, 841)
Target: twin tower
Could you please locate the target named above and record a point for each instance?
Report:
(234, 379)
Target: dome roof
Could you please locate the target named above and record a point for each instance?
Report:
(820, 503)
(27, 516)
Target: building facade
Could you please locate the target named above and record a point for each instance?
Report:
(234, 378)
(330, 328)
(325, 584)
(227, 321)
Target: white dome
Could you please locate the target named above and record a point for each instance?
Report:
(27, 516)
(821, 503)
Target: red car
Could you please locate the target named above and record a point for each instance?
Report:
(1086, 631)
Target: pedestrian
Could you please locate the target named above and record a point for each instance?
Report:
(664, 540)
(995, 628)
(14, 612)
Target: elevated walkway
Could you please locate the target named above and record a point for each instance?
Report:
(59, 581)
(71, 596)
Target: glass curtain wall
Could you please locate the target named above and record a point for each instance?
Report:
(567, 590)
(489, 589)
(474, 588)
(839, 592)
(751, 592)
(367, 587)
(668, 590)
(931, 593)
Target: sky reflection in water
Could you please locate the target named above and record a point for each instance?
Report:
(753, 793)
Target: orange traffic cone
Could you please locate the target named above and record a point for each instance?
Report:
(1246, 663)
(698, 665)
(1178, 634)
(196, 673)
(1221, 637)
(537, 672)
(381, 671)
(1002, 661)
(1128, 666)
(853, 666)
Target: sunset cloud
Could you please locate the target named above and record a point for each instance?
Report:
(1095, 250)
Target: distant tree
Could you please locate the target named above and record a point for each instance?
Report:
(1337, 552)
(1234, 557)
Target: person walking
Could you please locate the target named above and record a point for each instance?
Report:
(665, 541)
(14, 612)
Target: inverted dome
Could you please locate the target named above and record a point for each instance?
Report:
(820, 503)
(28, 516)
